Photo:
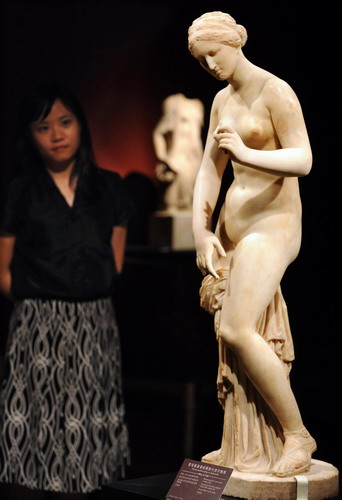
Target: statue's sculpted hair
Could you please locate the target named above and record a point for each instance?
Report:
(217, 27)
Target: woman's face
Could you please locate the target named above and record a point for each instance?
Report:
(57, 136)
(217, 58)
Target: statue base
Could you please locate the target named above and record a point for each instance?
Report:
(323, 482)
(171, 230)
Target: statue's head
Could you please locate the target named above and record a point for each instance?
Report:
(217, 27)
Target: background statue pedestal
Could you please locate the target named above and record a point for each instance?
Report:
(171, 230)
(322, 478)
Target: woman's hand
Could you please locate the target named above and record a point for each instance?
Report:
(230, 142)
(205, 250)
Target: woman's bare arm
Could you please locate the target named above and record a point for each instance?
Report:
(118, 243)
(7, 243)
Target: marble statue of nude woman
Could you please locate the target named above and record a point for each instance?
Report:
(256, 121)
(178, 146)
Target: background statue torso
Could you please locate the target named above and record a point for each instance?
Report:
(178, 146)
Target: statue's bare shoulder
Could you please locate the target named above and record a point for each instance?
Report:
(220, 98)
(278, 94)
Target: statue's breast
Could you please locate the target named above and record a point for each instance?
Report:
(252, 122)
(255, 131)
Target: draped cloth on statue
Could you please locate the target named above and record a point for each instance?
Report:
(252, 436)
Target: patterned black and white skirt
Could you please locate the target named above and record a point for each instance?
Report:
(61, 408)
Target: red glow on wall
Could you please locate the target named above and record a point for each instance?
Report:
(121, 125)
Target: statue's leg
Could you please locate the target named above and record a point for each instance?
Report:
(258, 264)
(171, 197)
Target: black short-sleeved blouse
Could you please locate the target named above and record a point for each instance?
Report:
(63, 252)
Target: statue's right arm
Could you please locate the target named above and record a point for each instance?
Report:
(7, 243)
(164, 127)
(206, 192)
(159, 144)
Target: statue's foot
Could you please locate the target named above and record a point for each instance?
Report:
(297, 452)
(214, 457)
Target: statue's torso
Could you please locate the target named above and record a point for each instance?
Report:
(256, 201)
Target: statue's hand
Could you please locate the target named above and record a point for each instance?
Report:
(205, 250)
(230, 141)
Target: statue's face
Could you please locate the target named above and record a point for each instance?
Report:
(217, 58)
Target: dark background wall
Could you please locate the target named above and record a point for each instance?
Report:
(123, 59)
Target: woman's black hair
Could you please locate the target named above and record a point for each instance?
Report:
(35, 105)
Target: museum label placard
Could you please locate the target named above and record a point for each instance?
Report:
(199, 481)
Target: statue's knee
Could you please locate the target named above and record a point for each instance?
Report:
(229, 335)
(234, 336)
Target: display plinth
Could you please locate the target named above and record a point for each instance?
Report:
(144, 488)
(171, 230)
(323, 483)
(323, 479)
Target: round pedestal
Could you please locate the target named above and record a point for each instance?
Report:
(322, 478)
